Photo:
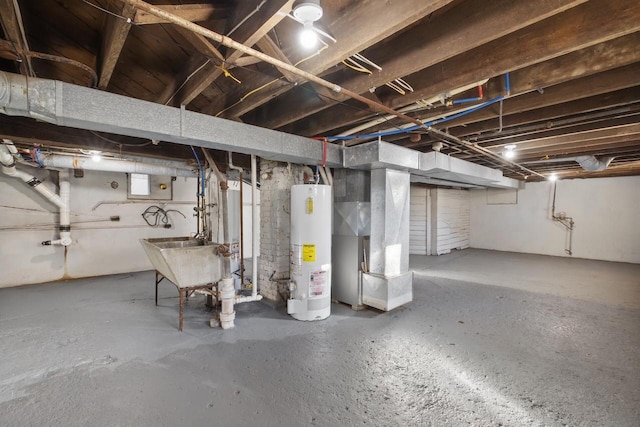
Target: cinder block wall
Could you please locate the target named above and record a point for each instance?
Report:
(276, 179)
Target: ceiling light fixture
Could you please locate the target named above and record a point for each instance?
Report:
(308, 12)
(308, 37)
(509, 153)
(553, 177)
(96, 156)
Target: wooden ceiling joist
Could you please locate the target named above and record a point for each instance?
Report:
(190, 12)
(570, 67)
(194, 80)
(419, 49)
(12, 26)
(383, 20)
(114, 37)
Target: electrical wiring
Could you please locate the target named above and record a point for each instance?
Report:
(364, 59)
(395, 87)
(155, 216)
(356, 67)
(264, 86)
(228, 74)
(317, 52)
(119, 143)
(187, 80)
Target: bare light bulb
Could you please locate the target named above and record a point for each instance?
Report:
(96, 157)
(509, 153)
(308, 37)
(553, 177)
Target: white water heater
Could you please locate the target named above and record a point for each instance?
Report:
(311, 208)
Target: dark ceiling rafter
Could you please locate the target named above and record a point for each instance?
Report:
(573, 69)
(486, 21)
(196, 78)
(12, 26)
(383, 20)
(115, 34)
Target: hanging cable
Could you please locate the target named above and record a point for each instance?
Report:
(155, 216)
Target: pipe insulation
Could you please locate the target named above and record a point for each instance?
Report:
(108, 165)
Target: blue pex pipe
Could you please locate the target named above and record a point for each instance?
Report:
(427, 124)
(416, 127)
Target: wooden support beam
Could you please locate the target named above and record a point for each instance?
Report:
(269, 47)
(190, 12)
(383, 20)
(114, 36)
(9, 51)
(248, 34)
(413, 51)
(11, 21)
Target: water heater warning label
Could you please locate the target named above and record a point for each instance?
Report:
(309, 253)
(317, 283)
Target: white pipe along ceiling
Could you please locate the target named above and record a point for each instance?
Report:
(70, 105)
(61, 200)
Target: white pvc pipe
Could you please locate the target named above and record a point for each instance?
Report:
(65, 210)
(6, 158)
(254, 226)
(329, 176)
(35, 184)
(325, 181)
(247, 298)
(109, 165)
(61, 201)
(227, 296)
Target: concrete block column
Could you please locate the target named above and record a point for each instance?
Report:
(276, 179)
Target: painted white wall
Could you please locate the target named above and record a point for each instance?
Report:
(246, 215)
(418, 221)
(99, 248)
(606, 212)
(450, 225)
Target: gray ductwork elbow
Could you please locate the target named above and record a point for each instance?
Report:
(593, 164)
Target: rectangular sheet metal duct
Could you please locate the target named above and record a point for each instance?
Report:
(440, 168)
(75, 106)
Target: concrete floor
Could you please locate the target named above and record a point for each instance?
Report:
(540, 348)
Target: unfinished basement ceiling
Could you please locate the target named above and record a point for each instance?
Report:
(557, 79)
